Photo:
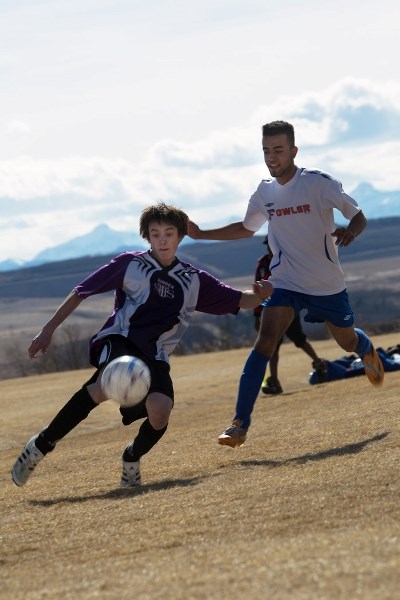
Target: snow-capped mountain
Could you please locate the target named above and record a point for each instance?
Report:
(376, 204)
(103, 240)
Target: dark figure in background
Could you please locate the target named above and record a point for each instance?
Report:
(295, 333)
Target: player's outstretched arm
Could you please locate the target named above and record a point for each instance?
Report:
(42, 341)
(261, 291)
(233, 231)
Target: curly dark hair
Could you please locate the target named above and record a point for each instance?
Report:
(163, 213)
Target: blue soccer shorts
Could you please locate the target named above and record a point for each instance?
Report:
(334, 308)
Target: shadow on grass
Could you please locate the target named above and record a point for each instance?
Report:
(339, 451)
(121, 493)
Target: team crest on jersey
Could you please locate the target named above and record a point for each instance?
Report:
(164, 289)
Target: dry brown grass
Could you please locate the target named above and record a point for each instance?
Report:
(308, 508)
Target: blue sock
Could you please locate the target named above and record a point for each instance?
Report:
(249, 386)
(364, 343)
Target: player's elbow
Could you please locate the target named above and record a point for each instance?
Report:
(246, 233)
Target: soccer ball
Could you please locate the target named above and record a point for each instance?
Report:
(126, 380)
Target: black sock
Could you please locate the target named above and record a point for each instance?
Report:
(146, 438)
(75, 411)
(133, 413)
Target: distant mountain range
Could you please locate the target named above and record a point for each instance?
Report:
(225, 260)
(376, 204)
(101, 241)
(104, 241)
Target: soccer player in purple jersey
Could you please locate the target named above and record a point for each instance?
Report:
(306, 274)
(155, 297)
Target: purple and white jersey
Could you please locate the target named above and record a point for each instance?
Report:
(301, 221)
(154, 304)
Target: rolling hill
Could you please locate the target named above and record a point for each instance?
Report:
(226, 260)
(29, 296)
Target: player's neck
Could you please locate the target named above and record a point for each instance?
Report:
(163, 262)
(287, 175)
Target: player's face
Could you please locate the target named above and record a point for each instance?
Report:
(164, 242)
(279, 157)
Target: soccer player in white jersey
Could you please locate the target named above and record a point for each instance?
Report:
(305, 270)
(156, 296)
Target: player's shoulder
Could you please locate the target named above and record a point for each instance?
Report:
(316, 174)
(190, 275)
(133, 255)
(266, 182)
(263, 189)
(136, 259)
(129, 254)
(185, 270)
(185, 266)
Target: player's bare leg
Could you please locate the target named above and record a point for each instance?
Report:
(355, 340)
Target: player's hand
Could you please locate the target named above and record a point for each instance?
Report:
(193, 230)
(40, 343)
(344, 236)
(263, 289)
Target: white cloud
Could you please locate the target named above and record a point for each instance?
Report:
(350, 111)
(18, 127)
(110, 105)
(350, 129)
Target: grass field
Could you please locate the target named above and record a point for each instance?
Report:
(307, 509)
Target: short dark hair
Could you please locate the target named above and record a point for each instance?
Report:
(163, 213)
(278, 127)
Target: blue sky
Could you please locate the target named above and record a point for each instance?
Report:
(110, 105)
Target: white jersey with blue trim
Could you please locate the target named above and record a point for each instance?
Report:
(301, 223)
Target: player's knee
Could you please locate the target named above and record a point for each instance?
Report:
(300, 344)
(159, 411)
(265, 345)
(96, 393)
(159, 420)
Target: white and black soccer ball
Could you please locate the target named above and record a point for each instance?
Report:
(126, 380)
